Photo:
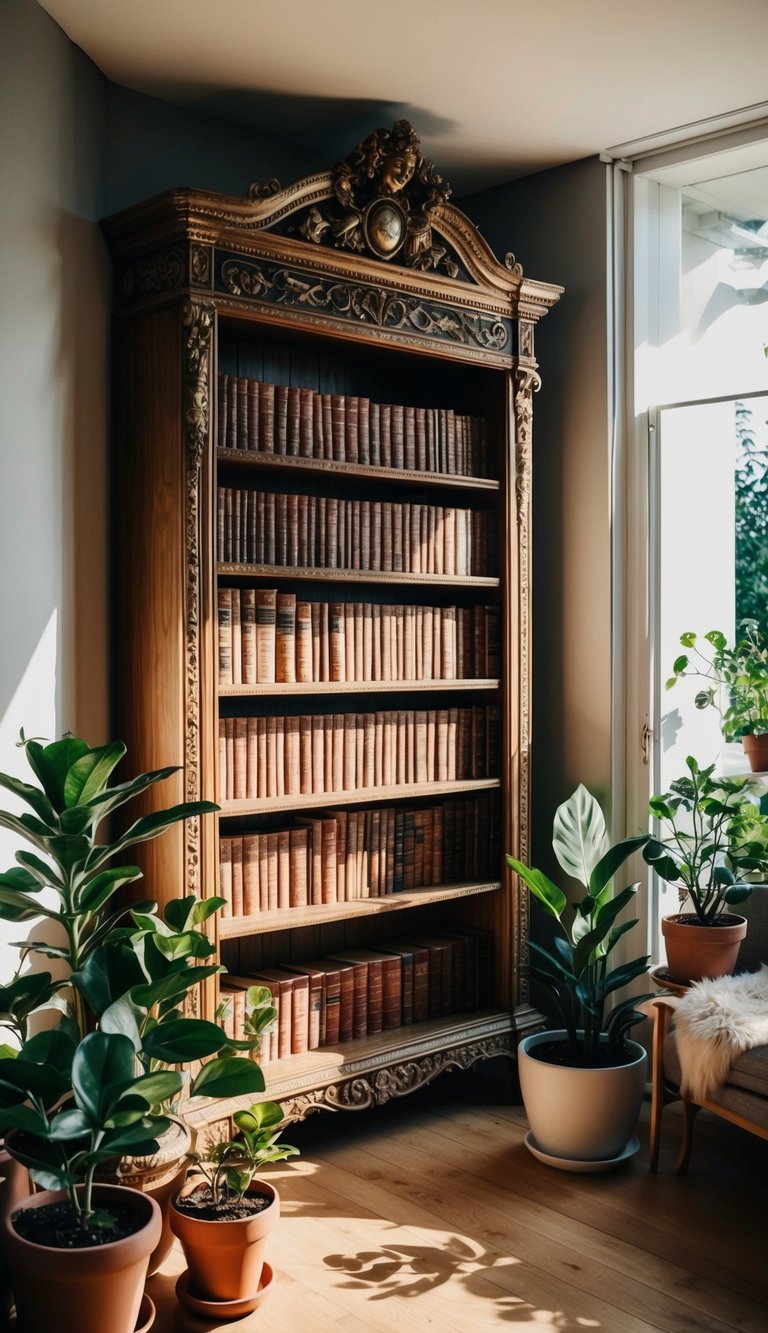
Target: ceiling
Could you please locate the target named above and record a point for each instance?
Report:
(495, 88)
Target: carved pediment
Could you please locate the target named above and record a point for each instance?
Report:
(388, 200)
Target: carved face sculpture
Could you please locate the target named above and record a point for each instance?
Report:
(397, 170)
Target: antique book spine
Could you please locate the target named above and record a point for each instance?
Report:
(385, 426)
(316, 990)
(339, 751)
(346, 1003)
(397, 538)
(285, 637)
(281, 418)
(305, 754)
(325, 642)
(318, 754)
(298, 895)
(283, 869)
(225, 635)
(292, 757)
(375, 434)
(225, 875)
(372, 821)
(351, 410)
(237, 877)
(409, 433)
(328, 860)
(292, 422)
(332, 1006)
(266, 607)
(341, 856)
(232, 412)
(235, 524)
(300, 1014)
(316, 657)
(267, 418)
(397, 435)
(304, 642)
(369, 750)
(363, 431)
(327, 425)
(338, 426)
(254, 407)
(246, 600)
(242, 413)
(401, 748)
(375, 967)
(306, 422)
(351, 863)
(391, 992)
(318, 429)
(281, 529)
(431, 745)
(240, 791)
(328, 751)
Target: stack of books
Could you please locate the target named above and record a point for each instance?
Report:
(346, 855)
(302, 423)
(341, 752)
(266, 636)
(361, 992)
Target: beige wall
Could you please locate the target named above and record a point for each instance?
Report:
(555, 222)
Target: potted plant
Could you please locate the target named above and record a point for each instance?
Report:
(583, 1083)
(129, 972)
(738, 688)
(711, 837)
(224, 1220)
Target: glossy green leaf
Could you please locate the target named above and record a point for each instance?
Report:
(32, 796)
(52, 763)
(103, 1062)
(229, 1076)
(263, 1116)
(184, 1039)
(547, 893)
(89, 774)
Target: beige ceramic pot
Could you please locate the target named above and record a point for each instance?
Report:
(580, 1115)
(695, 951)
(225, 1259)
(94, 1290)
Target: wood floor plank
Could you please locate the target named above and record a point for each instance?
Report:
(430, 1214)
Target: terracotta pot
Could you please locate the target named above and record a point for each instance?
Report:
(225, 1258)
(580, 1115)
(82, 1291)
(160, 1176)
(756, 750)
(695, 951)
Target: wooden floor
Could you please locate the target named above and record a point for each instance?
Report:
(430, 1213)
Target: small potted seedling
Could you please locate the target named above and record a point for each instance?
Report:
(224, 1220)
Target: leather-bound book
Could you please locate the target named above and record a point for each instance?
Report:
(415, 979)
(285, 637)
(299, 867)
(316, 984)
(383, 988)
(225, 875)
(225, 635)
(283, 870)
(250, 874)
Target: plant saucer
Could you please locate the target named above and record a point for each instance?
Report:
(225, 1309)
(579, 1164)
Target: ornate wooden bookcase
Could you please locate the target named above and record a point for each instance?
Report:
(363, 279)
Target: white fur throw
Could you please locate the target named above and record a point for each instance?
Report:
(715, 1022)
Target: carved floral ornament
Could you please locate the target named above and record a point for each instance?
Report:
(387, 197)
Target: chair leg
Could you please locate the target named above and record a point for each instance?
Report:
(690, 1111)
(659, 1095)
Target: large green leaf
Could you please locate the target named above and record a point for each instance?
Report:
(98, 890)
(608, 864)
(548, 894)
(229, 1076)
(89, 775)
(579, 837)
(151, 826)
(123, 1016)
(52, 763)
(103, 1063)
(261, 1117)
(109, 972)
(183, 1039)
(105, 802)
(42, 874)
(32, 796)
(159, 1086)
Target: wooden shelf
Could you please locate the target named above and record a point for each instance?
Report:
(307, 572)
(361, 796)
(331, 1068)
(289, 918)
(325, 467)
(354, 687)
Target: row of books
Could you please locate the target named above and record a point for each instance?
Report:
(339, 752)
(317, 531)
(361, 992)
(302, 423)
(267, 636)
(350, 854)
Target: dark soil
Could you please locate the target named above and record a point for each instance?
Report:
(57, 1225)
(556, 1053)
(200, 1204)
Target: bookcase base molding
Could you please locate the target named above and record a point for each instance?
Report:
(324, 401)
(391, 1066)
